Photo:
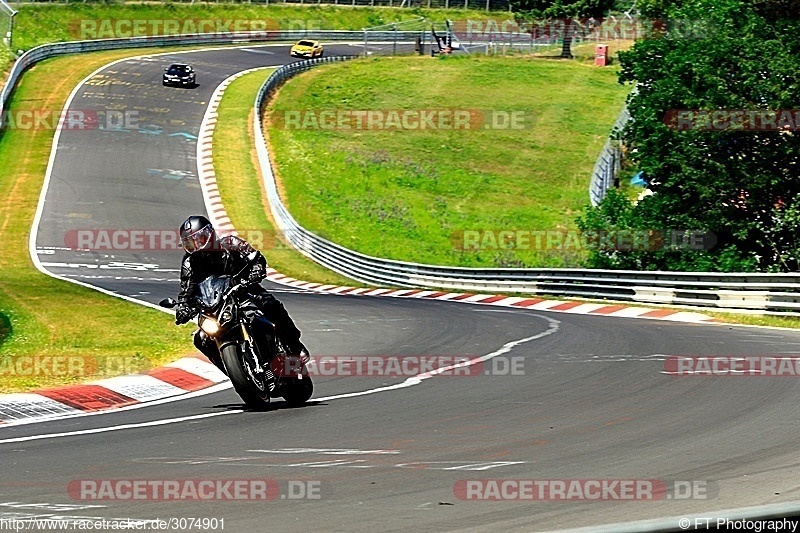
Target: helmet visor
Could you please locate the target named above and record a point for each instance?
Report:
(198, 240)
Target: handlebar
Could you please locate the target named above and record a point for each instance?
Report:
(237, 287)
(242, 284)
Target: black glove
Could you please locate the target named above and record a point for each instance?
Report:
(183, 314)
(256, 274)
(297, 348)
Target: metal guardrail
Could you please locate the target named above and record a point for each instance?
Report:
(486, 5)
(608, 163)
(764, 292)
(776, 293)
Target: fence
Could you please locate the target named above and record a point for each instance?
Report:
(7, 15)
(389, 39)
(398, 37)
(607, 167)
(482, 5)
(772, 293)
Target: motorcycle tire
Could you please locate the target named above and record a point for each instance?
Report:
(255, 395)
(298, 391)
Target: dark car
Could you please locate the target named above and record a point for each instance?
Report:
(179, 74)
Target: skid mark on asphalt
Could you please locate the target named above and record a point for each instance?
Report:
(553, 327)
(608, 358)
(328, 451)
(373, 460)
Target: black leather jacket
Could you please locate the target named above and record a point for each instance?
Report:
(228, 256)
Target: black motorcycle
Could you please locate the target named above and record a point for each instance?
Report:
(251, 352)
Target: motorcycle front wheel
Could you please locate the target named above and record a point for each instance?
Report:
(253, 391)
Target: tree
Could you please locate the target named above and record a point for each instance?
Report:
(777, 9)
(738, 179)
(770, 9)
(563, 9)
(657, 9)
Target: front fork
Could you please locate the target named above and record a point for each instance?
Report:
(258, 357)
(252, 354)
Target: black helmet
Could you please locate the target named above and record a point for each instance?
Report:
(197, 233)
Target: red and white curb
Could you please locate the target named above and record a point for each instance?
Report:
(177, 379)
(192, 374)
(539, 304)
(205, 158)
(183, 378)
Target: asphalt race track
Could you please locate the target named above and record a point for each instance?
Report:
(588, 398)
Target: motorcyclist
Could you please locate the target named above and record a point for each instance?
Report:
(206, 255)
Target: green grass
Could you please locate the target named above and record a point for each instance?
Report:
(774, 321)
(6, 58)
(235, 168)
(43, 316)
(235, 165)
(5, 328)
(409, 194)
(40, 316)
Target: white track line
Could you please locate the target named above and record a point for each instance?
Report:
(205, 133)
(162, 422)
(410, 382)
(192, 394)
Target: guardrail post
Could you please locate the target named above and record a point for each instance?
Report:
(608, 164)
(11, 32)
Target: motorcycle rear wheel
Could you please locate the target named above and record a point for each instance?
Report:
(298, 391)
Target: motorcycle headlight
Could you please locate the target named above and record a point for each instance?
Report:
(209, 325)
